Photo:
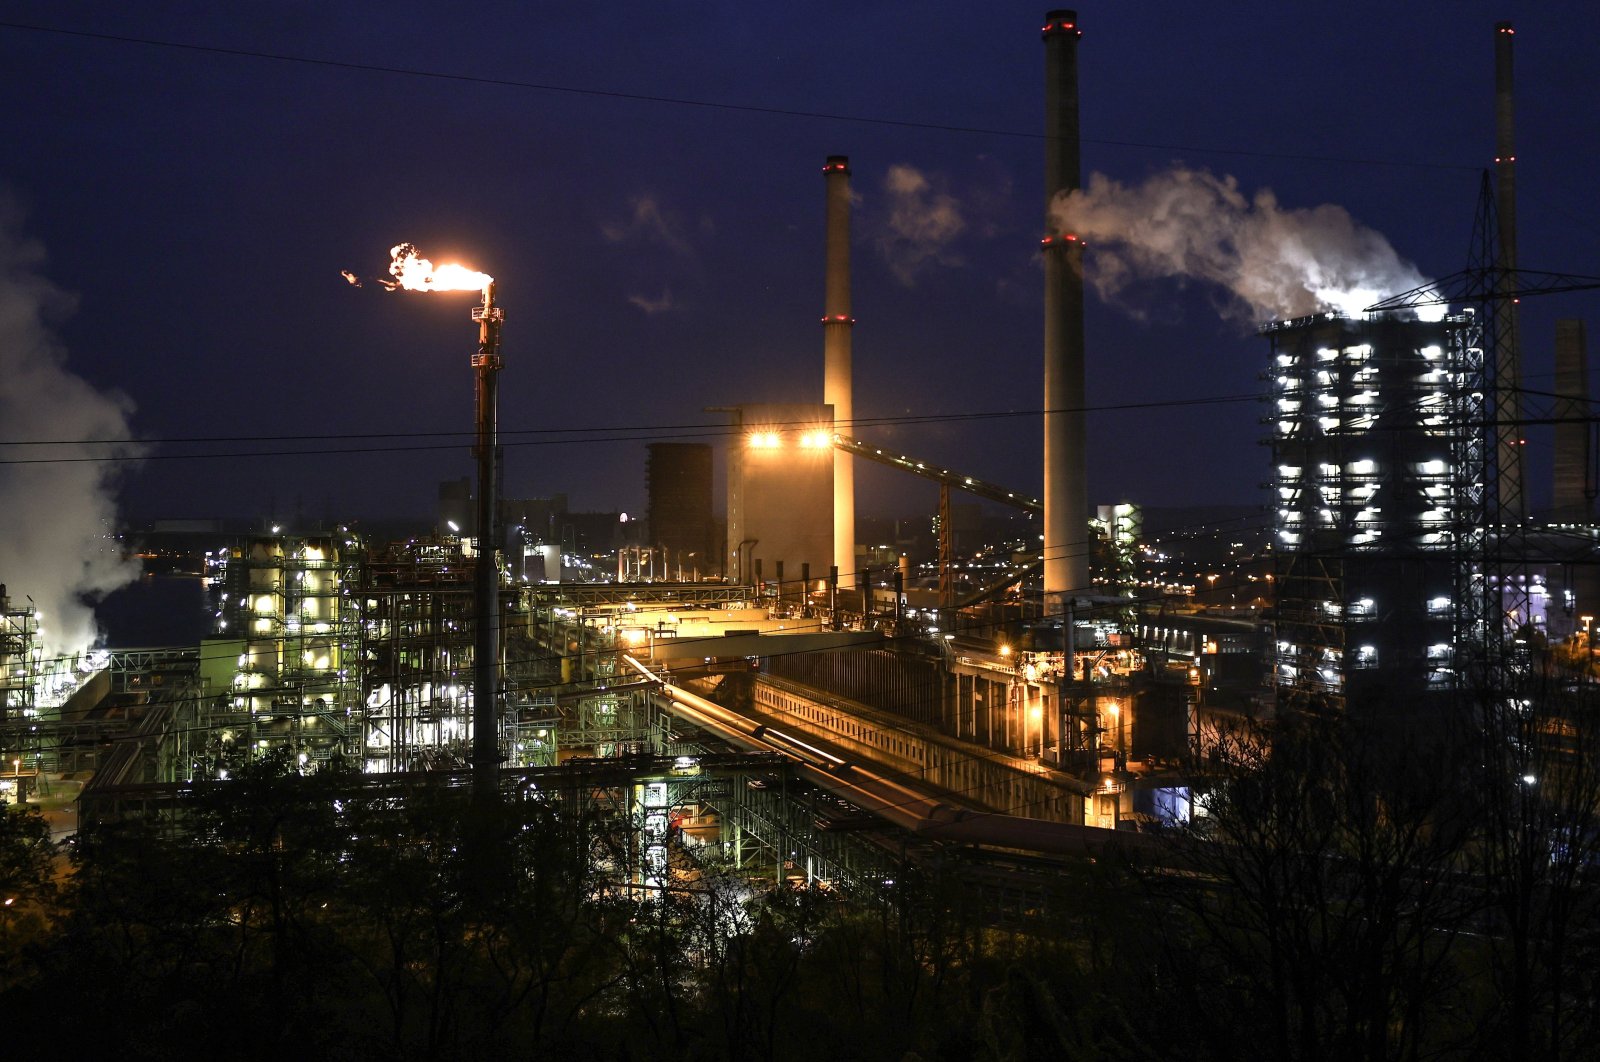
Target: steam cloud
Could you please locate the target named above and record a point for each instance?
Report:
(56, 519)
(1273, 262)
(650, 222)
(650, 306)
(921, 227)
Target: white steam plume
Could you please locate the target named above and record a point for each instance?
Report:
(921, 227)
(56, 518)
(651, 307)
(1274, 262)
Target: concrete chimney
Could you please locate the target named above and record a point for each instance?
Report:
(1508, 338)
(836, 325)
(1066, 492)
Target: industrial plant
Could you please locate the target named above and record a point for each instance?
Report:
(1031, 682)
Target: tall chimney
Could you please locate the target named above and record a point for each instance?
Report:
(836, 325)
(1507, 339)
(1066, 493)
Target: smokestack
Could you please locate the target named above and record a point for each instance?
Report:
(1505, 148)
(1508, 339)
(1066, 494)
(836, 326)
(1574, 498)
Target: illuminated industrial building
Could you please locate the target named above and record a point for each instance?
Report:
(415, 601)
(1117, 530)
(19, 664)
(1375, 459)
(780, 493)
(42, 700)
(330, 648)
(19, 658)
(283, 650)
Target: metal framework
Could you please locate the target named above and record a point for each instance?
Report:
(19, 660)
(1378, 478)
(416, 651)
(295, 627)
(971, 484)
(585, 595)
(1492, 547)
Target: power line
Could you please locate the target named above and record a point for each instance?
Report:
(910, 418)
(630, 433)
(682, 101)
(620, 433)
(640, 434)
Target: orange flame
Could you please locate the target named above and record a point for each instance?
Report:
(412, 272)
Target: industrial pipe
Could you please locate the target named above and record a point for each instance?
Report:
(486, 364)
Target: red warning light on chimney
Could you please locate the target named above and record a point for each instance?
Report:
(1061, 22)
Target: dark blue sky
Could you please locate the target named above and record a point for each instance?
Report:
(657, 258)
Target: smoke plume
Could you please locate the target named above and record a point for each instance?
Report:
(57, 518)
(1273, 262)
(650, 222)
(650, 306)
(921, 227)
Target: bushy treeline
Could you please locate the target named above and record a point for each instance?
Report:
(1361, 889)
(1337, 902)
(296, 917)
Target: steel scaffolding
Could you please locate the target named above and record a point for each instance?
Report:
(1379, 471)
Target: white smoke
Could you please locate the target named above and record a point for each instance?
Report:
(650, 222)
(1273, 262)
(922, 224)
(651, 306)
(56, 518)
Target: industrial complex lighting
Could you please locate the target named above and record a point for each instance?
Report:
(766, 439)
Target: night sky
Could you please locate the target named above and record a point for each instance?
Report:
(656, 258)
